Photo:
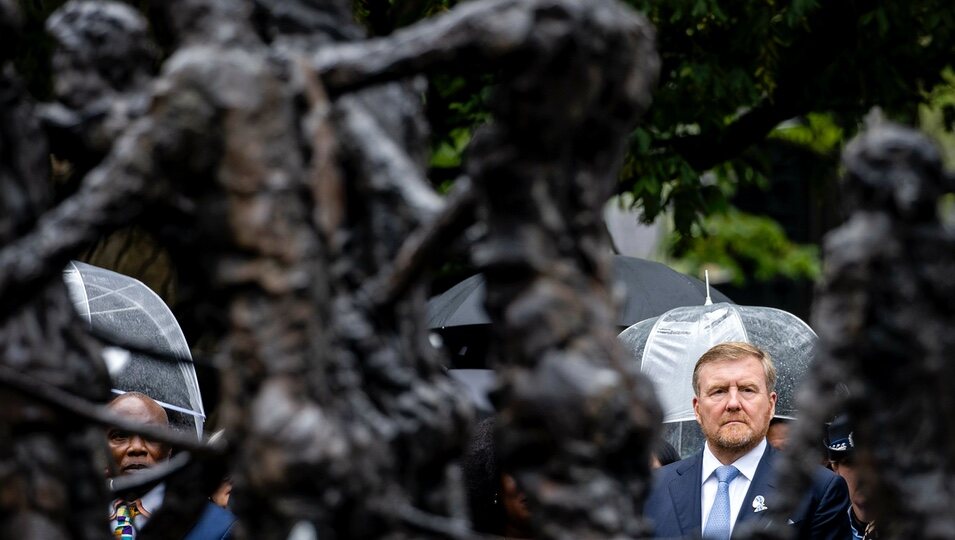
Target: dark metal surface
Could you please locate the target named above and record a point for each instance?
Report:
(51, 470)
(884, 318)
(280, 159)
(574, 426)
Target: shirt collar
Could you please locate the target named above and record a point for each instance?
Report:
(147, 504)
(747, 463)
(152, 500)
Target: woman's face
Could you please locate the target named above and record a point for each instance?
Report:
(515, 503)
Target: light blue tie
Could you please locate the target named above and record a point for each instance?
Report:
(718, 524)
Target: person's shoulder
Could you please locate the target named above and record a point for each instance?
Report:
(827, 484)
(215, 523)
(658, 500)
(677, 468)
(824, 475)
(829, 504)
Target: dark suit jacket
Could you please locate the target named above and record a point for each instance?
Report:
(674, 501)
(214, 524)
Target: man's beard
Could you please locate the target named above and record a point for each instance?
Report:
(735, 437)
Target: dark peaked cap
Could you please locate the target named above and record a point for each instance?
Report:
(839, 441)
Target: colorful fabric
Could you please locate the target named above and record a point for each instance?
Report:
(125, 512)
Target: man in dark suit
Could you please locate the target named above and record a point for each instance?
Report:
(732, 480)
(132, 453)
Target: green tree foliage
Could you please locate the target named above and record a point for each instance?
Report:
(736, 74)
(734, 71)
(747, 245)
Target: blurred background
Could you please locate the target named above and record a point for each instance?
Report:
(734, 168)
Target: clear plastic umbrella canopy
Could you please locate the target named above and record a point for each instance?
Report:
(667, 347)
(129, 313)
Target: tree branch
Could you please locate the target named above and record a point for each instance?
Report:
(830, 28)
(705, 151)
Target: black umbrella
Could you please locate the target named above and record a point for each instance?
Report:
(128, 313)
(651, 289)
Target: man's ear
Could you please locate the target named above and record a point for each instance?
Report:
(696, 409)
(772, 401)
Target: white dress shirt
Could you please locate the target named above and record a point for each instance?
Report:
(746, 464)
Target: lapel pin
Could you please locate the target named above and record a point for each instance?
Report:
(759, 504)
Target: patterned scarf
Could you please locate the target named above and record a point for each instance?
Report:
(125, 512)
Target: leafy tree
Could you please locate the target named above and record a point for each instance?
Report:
(735, 76)
(734, 71)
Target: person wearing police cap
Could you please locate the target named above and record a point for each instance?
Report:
(840, 448)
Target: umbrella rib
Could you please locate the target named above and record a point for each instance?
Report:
(110, 291)
(84, 304)
(136, 304)
(117, 310)
(169, 406)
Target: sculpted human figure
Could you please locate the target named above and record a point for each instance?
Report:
(286, 182)
(103, 60)
(884, 313)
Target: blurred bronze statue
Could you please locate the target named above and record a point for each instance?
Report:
(884, 314)
(279, 157)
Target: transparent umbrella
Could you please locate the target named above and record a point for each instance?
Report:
(127, 312)
(667, 347)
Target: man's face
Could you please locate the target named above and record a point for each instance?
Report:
(132, 452)
(847, 470)
(734, 406)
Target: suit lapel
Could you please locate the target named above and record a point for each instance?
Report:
(688, 484)
(763, 484)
